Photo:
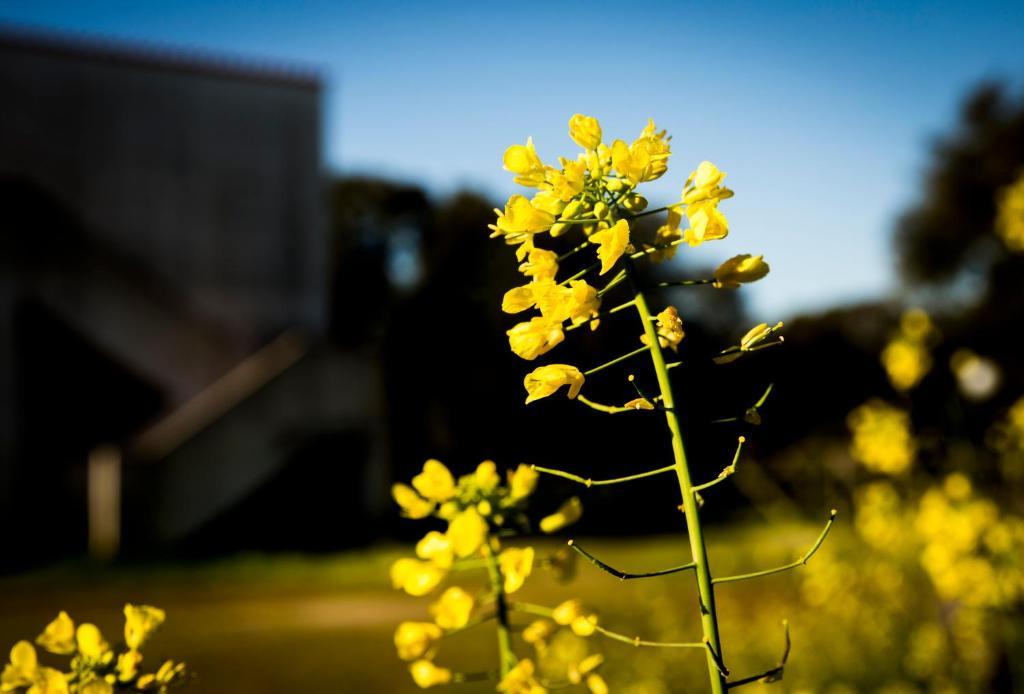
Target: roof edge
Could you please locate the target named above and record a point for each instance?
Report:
(158, 57)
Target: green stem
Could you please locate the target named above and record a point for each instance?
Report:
(705, 589)
(507, 658)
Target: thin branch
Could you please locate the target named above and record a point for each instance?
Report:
(541, 611)
(728, 471)
(601, 315)
(612, 283)
(798, 563)
(616, 360)
(622, 575)
(685, 283)
(655, 249)
(609, 409)
(753, 408)
(600, 483)
(772, 675)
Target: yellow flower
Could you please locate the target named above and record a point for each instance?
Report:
(545, 380)
(91, 645)
(128, 665)
(707, 223)
(140, 621)
(59, 635)
(425, 674)
(882, 440)
(414, 639)
(23, 668)
(519, 299)
(596, 684)
(567, 183)
(536, 337)
(1010, 215)
(585, 131)
(705, 186)
(523, 161)
(571, 613)
(547, 201)
(611, 244)
(167, 673)
(740, 269)
(435, 483)
(50, 681)
(670, 329)
(666, 234)
(567, 514)
(452, 609)
(577, 671)
(467, 532)
(906, 362)
(413, 505)
(416, 577)
(486, 476)
(435, 547)
(96, 686)
(644, 160)
(538, 630)
(582, 303)
(516, 565)
(521, 217)
(522, 482)
(541, 265)
(520, 680)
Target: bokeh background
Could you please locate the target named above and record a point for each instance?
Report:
(246, 284)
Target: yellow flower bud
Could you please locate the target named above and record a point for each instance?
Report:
(90, 642)
(140, 621)
(412, 504)
(572, 210)
(59, 635)
(740, 269)
(612, 244)
(415, 639)
(516, 565)
(486, 476)
(536, 337)
(425, 674)
(436, 548)
(601, 210)
(523, 161)
(545, 380)
(567, 514)
(416, 577)
(585, 131)
(522, 482)
(635, 203)
(467, 532)
(435, 483)
(23, 668)
(520, 680)
(539, 630)
(614, 185)
(558, 229)
(453, 608)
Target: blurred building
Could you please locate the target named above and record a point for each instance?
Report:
(162, 298)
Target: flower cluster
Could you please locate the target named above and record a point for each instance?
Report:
(906, 357)
(477, 507)
(95, 667)
(595, 198)
(882, 440)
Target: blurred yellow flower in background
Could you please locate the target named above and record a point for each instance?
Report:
(435, 483)
(1010, 215)
(59, 635)
(415, 639)
(567, 514)
(140, 621)
(882, 440)
(516, 564)
(452, 609)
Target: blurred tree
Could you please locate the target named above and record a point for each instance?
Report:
(949, 233)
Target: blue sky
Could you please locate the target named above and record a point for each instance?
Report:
(822, 116)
